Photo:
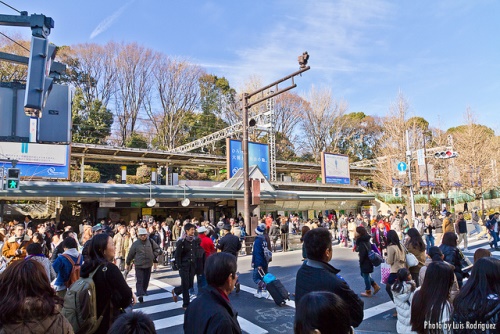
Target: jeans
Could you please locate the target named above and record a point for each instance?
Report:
(390, 282)
(201, 282)
(477, 229)
(494, 242)
(143, 275)
(429, 242)
(187, 273)
(258, 279)
(368, 280)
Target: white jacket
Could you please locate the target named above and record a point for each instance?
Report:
(403, 306)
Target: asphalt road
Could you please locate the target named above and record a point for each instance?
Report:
(263, 315)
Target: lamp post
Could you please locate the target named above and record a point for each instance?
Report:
(246, 105)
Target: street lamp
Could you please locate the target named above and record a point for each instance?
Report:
(303, 59)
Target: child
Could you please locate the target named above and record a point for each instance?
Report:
(403, 290)
(344, 234)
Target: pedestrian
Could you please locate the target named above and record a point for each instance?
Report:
(15, 247)
(479, 300)
(435, 255)
(430, 305)
(396, 258)
(316, 274)
(403, 290)
(154, 235)
(113, 295)
(379, 236)
(207, 248)
(480, 253)
(363, 247)
(185, 257)
(34, 251)
(64, 265)
(259, 261)
(231, 244)
(121, 241)
(447, 223)
(176, 231)
(475, 222)
(452, 255)
(28, 304)
(142, 252)
(493, 228)
(303, 232)
(322, 312)
(428, 227)
(461, 230)
(274, 234)
(415, 245)
(284, 231)
(133, 323)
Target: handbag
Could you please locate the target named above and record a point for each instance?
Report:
(267, 278)
(411, 259)
(385, 271)
(464, 262)
(374, 258)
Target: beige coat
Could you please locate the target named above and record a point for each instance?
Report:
(448, 225)
(454, 288)
(121, 245)
(396, 258)
(420, 255)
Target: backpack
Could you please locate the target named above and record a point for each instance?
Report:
(80, 305)
(75, 270)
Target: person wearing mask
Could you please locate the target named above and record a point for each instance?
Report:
(363, 247)
(64, 263)
(452, 255)
(142, 252)
(185, 257)
(15, 247)
(28, 304)
(461, 230)
(321, 312)
(113, 295)
(430, 303)
(396, 258)
(316, 274)
(415, 245)
(212, 312)
(479, 300)
(35, 253)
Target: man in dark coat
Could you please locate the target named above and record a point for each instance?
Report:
(231, 244)
(212, 312)
(316, 274)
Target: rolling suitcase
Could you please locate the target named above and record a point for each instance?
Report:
(275, 288)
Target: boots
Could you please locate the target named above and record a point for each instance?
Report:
(367, 293)
(376, 288)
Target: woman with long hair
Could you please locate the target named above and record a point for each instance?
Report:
(479, 300)
(363, 247)
(28, 304)
(396, 258)
(303, 232)
(452, 254)
(430, 308)
(113, 295)
(415, 245)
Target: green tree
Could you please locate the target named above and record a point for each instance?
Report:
(136, 140)
(360, 136)
(91, 121)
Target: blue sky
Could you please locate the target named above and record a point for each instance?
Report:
(444, 56)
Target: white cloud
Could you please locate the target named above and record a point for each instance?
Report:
(108, 21)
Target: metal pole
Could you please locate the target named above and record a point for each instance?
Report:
(244, 147)
(408, 158)
(427, 177)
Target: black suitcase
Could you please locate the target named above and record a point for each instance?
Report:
(278, 292)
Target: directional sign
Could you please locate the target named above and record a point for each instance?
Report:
(402, 166)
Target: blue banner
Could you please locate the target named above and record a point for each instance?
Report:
(258, 154)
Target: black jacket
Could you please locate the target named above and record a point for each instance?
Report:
(321, 276)
(452, 256)
(211, 313)
(462, 226)
(186, 253)
(363, 246)
(229, 244)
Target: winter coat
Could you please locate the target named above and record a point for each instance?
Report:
(143, 253)
(207, 244)
(448, 225)
(186, 252)
(63, 267)
(454, 288)
(11, 246)
(211, 313)
(120, 241)
(462, 226)
(396, 258)
(403, 307)
(420, 255)
(363, 247)
(229, 244)
(452, 256)
(49, 270)
(321, 276)
(28, 323)
(258, 258)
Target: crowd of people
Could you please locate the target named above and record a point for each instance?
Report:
(434, 289)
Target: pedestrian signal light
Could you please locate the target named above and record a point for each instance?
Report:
(13, 176)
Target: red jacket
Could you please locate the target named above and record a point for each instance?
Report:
(207, 244)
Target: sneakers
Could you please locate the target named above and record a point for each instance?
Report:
(265, 294)
(141, 299)
(258, 294)
(237, 285)
(174, 297)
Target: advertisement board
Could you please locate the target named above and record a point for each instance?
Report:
(258, 154)
(335, 168)
(47, 161)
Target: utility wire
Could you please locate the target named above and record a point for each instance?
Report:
(14, 41)
(10, 7)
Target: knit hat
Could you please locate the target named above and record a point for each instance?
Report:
(260, 229)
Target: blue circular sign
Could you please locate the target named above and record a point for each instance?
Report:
(402, 166)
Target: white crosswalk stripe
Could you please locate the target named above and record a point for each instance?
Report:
(166, 315)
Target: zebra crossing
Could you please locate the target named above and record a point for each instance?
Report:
(167, 315)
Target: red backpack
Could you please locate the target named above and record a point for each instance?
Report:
(75, 271)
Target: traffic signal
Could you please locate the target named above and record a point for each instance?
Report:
(396, 192)
(13, 176)
(446, 154)
(38, 83)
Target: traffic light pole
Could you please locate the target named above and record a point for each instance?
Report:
(408, 158)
